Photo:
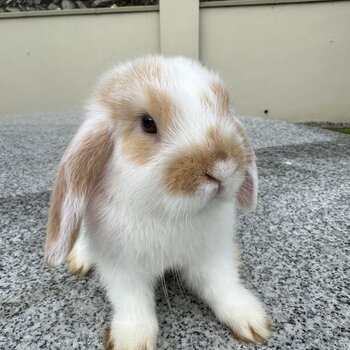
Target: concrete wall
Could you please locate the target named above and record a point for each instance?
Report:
(179, 28)
(51, 63)
(291, 60)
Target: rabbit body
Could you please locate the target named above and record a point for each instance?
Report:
(151, 181)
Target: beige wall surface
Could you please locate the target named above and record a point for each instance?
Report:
(179, 27)
(292, 60)
(52, 63)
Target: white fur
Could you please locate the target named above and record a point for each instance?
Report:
(135, 230)
(223, 169)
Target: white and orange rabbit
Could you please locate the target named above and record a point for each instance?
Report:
(150, 182)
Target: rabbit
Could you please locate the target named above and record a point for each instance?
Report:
(151, 182)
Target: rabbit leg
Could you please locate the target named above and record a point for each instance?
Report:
(79, 261)
(134, 324)
(215, 279)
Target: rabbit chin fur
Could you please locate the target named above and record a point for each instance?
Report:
(140, 214)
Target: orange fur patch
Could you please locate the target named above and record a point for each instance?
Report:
(88, 161)
(146, 72)
(56, 200)
(246, 142)
(107, 341)
(186, 172)
(127, 110)
(139, 146)
(222, 96)
(162, 107)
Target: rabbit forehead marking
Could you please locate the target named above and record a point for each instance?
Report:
(127, 81)
(161, 106)
(187, 171)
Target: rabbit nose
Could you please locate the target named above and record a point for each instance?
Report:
(212, 178)
(216, 181)
(221, 171)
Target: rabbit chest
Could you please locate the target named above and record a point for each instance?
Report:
(155, 242)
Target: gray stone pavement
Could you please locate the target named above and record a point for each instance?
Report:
(295, 247)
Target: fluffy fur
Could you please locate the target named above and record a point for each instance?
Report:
(146, 203)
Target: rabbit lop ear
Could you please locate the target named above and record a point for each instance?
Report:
(248, 191)
(78, 172)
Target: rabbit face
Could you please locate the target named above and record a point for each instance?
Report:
(178, 145)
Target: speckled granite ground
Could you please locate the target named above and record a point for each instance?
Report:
(295, 247)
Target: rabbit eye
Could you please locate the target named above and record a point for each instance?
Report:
(148, 124)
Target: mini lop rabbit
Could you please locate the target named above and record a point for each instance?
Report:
(150, 182)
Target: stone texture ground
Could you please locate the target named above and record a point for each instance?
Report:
(295, 247)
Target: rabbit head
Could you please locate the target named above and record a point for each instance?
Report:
(159, 135)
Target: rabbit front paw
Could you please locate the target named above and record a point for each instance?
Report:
(130, 337)
(78, 261)
(248, 321)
